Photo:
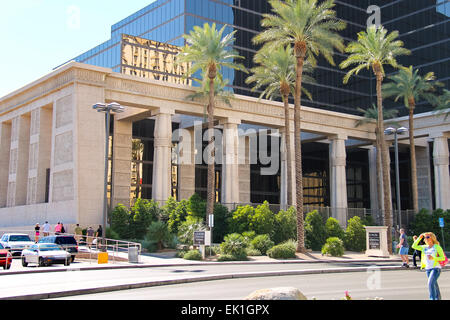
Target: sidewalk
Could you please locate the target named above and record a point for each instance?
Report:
(156, 270)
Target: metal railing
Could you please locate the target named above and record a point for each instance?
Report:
(88, 247)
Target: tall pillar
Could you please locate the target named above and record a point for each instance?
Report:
(441, 173)
(424, 177)
(338, 180)
(373, 179)
(244, 169)
(186, 162)
(162, 161)
(230, 165)
(5, 146)
(18, 164)
(121, 163)
(40, 155)
(284, 179)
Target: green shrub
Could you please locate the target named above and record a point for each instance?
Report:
(234, 244)
(197, 207)
(315, 233)
(248, 237)
(239, 220)
(226, 257)
(120, 221)
(333, 229)
(144, 212)
(334, 247)
(158, 232)
(368, 220)
(285, 225)
(187, 229)
(285, 250)
(262, 243)
(192, 255)
(177, 216)
(221, 215)
(149, 245)
(111, 234)
(262, 220)
(355, 235)
(252, 252)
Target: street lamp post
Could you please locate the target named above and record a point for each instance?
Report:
(396, 132)
(107, 109)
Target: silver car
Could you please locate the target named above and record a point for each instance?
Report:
(44, 254)
(16, 242)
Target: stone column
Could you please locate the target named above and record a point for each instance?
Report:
(284, 179)
(230, 165)
(40, 154)
(338, 180)
(121, 163)
(424, 177)
(441, 173)
(162, 162)
(5, 146)
(373, 179)
(244, 169)
(18, 164)
(186, 163)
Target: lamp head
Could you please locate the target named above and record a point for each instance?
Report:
(389, 131)
(402, 130)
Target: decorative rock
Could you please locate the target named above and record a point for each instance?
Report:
(283, 293)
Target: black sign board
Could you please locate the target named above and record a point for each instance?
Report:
(199, 238)
(374, 240)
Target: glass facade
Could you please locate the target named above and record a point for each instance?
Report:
(423, 26)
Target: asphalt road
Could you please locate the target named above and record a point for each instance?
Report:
(73, 279)
(389, 285)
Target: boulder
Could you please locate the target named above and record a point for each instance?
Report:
(283, 293)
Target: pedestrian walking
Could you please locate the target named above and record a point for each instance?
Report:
(99, 232)
(432, 254)
(37, 229)
(78, 233)
(58, 228)
(90, 236)
(417, 253)
(403, 248)
(63, 230)
(46, 229)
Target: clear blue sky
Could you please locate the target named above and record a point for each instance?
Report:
(38, 35)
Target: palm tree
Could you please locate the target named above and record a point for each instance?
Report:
(443, 103)
(311, 29)
(408, 85)
(275, 73)
(209, 51)
(375, 49)
(220, 92)
(371, 115)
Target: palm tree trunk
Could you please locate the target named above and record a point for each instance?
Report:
(384, 161)
(379, 170)
(412, 145)
(298, 153)
(287, 128)
(211, 186)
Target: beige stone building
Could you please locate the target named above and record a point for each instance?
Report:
(52, 147)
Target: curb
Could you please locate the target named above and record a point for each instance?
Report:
(189, 264)
(129, 286)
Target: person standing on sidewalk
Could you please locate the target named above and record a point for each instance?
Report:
(78, 233)
(46, 229)
(404, 248)
(432, 253)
